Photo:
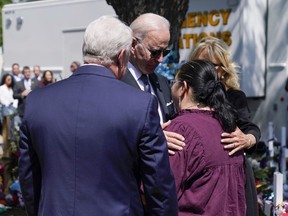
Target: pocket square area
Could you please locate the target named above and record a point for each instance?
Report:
(169, 103)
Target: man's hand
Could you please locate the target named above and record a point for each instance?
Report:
(175, 141)
(237, 140)
(25, 93)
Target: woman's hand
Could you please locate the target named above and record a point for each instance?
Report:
(237, 141)
(175, 141)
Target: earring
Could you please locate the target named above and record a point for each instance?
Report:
(222, 77)
(179, 101)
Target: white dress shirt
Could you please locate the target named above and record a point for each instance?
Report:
(137, 74)
(18, 78)
(27, 84)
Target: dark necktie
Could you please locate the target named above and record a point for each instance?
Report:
(145, 81)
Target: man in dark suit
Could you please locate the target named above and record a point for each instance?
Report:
(23, 88)
(151, 35)
(161, 89)
(37, 73)
(88, 142)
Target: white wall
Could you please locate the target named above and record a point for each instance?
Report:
(43, 37)
(274, 106)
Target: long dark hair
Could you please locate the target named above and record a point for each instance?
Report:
(4, 79)
(45, 82)
(201, 76)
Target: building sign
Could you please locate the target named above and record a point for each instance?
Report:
(241, 24)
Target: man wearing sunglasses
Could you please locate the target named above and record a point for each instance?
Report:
(151, 35)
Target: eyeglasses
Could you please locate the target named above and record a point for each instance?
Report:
(157, 53)
(172, 82)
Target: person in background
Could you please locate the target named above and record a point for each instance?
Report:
(8, 110)
(151, 35)
(247, 133)
(74, 66)
(37, 72)
(47, 78)
(23, 88)
(16, 73)
(81, 156)
(208, 180)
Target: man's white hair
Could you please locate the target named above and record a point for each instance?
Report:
(148, 22)
(104, 39)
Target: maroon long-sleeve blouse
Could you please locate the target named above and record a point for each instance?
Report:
(208, 181)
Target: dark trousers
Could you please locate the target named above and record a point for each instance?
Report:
(250, 191)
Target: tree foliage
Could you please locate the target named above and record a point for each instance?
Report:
(173, 10)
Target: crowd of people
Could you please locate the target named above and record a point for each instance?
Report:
(116, 138)
(14, 89)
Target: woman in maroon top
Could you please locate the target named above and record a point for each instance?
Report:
(208, 180)
(47, 78)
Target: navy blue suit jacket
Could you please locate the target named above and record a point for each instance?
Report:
(86, 144)
(162, 89)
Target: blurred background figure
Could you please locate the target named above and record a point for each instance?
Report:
(74, 66)
(23, 88)
(16, 72)
(8, 111)
(6, 91)
(47, 78)
(37, 72)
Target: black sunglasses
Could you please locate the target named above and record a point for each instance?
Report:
(157, 53)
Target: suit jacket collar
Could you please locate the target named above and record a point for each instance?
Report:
(22, 83)
(90, 69)
(134, 71)
(154, 80)
(130, 80)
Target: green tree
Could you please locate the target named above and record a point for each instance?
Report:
(2, 3)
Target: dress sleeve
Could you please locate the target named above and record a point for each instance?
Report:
(190, 162)
(238, 99)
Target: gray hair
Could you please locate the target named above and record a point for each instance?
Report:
(104, 39)
(36, 66)
(148, 22)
